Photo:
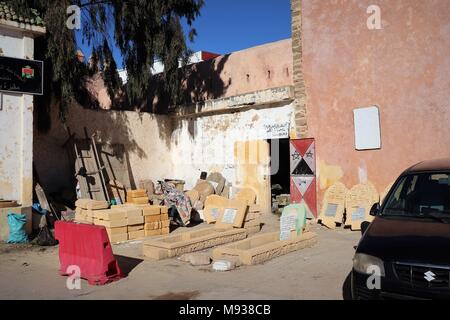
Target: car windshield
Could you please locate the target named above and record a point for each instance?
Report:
(422, 195)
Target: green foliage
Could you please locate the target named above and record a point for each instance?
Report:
(144, 30)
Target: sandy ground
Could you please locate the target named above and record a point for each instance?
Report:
(320, 272)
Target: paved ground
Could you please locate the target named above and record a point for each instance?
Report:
(320, 272)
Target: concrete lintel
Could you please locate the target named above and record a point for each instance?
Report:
(253, 100)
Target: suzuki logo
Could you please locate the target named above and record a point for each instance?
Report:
(429, 276)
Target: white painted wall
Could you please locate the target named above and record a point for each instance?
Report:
(16, 128)
(159, 146)
(207, 143)
(16, 134)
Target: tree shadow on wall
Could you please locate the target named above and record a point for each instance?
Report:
(115, 140)
(201, 82)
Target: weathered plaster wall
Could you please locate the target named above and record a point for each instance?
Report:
(16, 134)
(178, 146)
(161, 147)
(16, 123)
(254, 69)
(403, 69)
(146, 138)
(208, 143)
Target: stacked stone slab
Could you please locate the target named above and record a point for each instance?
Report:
(84, 212)
(156, 220)
(122, 222)
(116, 223)
(135, 223)
(253, 219)
(153, 220)
(138, 197)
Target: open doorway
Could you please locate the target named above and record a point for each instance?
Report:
(280, 172)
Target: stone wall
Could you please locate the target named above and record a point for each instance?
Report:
(301, 125)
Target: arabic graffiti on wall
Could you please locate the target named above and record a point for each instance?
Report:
(277, 130)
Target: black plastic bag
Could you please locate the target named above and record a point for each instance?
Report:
(45, 238)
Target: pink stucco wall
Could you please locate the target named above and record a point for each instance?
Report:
(404, 69)
(254, 69)
(258, 68)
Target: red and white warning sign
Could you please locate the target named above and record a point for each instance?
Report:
(303, 173)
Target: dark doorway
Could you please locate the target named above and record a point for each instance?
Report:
(280, 159)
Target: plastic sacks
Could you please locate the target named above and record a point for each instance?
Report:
(37, 207)
(45, 238)
(17, 231)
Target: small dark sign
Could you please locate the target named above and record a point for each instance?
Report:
(21, 75)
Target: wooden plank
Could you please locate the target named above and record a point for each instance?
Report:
(42, 198)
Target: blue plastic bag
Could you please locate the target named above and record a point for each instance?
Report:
(17, 231)
(37, 208)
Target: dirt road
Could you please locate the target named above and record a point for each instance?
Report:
(314, 273)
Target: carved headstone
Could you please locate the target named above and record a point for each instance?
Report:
(214, 206)
(358, 203)
(333, 206)
(233, 214)
(293, 221)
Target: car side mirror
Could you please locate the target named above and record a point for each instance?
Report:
(375, 210)
(364, 226)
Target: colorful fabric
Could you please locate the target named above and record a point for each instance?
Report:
(176, 198)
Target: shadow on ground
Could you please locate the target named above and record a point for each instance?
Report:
(347, 288)
(127, 264)
(189, 295)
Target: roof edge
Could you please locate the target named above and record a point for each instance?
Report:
(19, 26)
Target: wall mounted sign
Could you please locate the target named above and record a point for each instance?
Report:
(367, 128)
(21, 76)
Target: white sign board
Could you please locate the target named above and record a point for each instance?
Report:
(367, 128)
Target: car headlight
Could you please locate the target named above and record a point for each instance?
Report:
(367, 264)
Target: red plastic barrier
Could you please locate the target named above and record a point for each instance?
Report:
(88, 247)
